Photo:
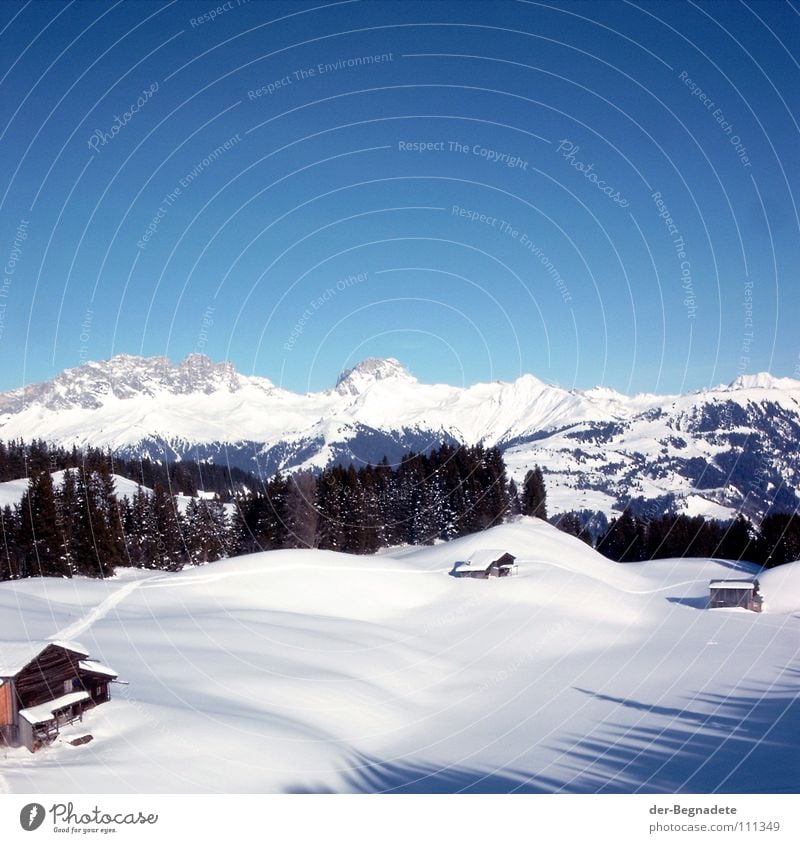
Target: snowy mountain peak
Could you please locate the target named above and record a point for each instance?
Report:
(354, 381)
(763, 380)
(126, 376)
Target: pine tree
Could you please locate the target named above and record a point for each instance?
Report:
(68, 505)
(170, 551)
(373, 529)
(206, 531)
(9, 530)
(624, 540)
(570, 523)
(534, 494)
(273, 529)
(301, 512)
(43, 545)
(738, 540)
(514, 505)
(330, 523)
(779, 541)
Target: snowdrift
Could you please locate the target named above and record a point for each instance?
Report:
(297, 671)
(780, 588)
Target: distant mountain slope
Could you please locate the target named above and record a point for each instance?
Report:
(708, 452)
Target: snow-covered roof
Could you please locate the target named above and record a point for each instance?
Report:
(15, 655)
(743, 584)
(44, 712)
(482, 559)
(92, 666)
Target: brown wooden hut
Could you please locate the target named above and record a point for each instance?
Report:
(44, 685)
(742, 593)
(483, 564)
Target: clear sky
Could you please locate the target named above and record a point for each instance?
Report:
(593, 192)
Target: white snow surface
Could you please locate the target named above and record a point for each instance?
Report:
(781, 588)
(294, 671)
(43, 712)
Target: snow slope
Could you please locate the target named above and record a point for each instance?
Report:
(313, 671)
(781, 587)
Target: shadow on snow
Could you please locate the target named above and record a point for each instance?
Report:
(741, 742)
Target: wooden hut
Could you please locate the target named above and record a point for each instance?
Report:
(741, 593)
(43, 686)
(484, 564)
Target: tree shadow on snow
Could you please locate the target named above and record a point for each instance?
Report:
(371, 775)
(742, 742)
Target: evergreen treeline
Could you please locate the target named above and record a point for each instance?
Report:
(444, 494)
(81, 527)
(57, 532)
(18, 459)
(630, 539)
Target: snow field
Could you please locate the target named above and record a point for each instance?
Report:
(311, 670)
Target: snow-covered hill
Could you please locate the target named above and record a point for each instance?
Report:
(709, 452)
(314, 671)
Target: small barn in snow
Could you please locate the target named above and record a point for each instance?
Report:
(742, 593)
(483, 564)
(45, 685)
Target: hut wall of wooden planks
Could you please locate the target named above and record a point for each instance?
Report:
(734, 593)
(485, 563)
(44, 685)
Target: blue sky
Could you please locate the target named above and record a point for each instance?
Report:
(597, 193)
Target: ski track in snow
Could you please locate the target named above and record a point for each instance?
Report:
(100, 611)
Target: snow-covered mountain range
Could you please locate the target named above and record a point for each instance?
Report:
(707, 452)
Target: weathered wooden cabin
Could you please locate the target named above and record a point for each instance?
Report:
(741, 593)
(45, 685)
(484, 564)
